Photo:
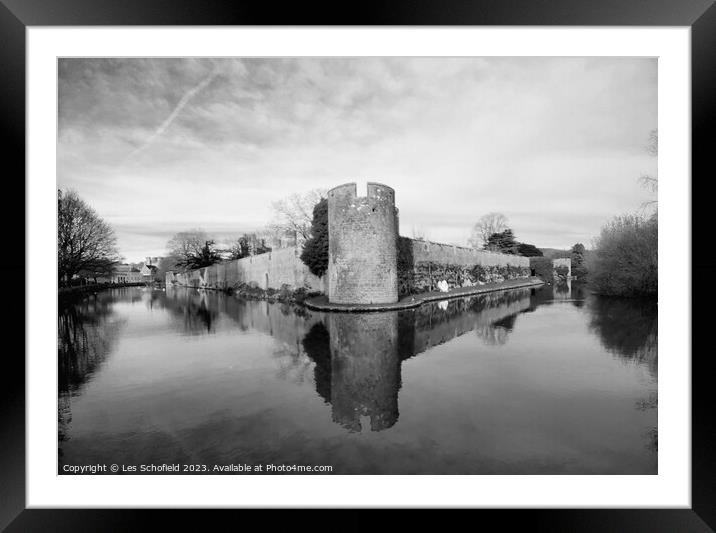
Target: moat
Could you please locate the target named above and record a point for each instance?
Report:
(552, 380)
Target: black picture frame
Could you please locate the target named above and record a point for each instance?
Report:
(700, 15)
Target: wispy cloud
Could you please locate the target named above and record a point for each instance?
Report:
(175, 113)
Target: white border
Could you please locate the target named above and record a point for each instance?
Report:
(670, 488)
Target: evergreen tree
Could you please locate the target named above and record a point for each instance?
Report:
(528, 250)
(315, 250)
(503, 242)
(577, 256)
(207, 256)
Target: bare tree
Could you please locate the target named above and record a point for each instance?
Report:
(419, 233)
(653, 146)
(295, 213)
(85, 242)
(186, 246)
(651, 182)
(487, 226)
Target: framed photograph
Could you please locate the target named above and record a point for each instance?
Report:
(405, 261)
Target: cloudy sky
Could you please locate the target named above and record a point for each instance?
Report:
(158, 146)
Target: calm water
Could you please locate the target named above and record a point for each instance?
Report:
(546, 381)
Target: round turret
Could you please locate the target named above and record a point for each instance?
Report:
(362, 245)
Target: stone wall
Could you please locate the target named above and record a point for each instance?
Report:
(422, 264)
(271, 270)
(362, 255)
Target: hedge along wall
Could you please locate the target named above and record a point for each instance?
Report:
(422, 264)
(271, 270)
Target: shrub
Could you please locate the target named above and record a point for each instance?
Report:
(625, 259)
(479, 273)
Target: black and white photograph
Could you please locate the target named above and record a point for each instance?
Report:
(357, 265)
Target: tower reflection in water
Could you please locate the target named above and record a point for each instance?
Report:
(365, 369)
(358, 357)
(357, 368)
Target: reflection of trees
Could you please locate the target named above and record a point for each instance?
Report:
(153, 298)
(491, 335)
(579, 293)
(626, 328)
(496, 334)
(562, 288)
(317, 344)
(85, 337)
(194, 311)
(293, 363)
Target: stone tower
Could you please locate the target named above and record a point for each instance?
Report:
(362, 245)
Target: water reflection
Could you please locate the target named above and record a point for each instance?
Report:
(355, 361)
(194, 311)
(365, 369)
(86, 334)
(358, 356)
(627, 328)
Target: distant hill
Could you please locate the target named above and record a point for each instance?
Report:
(555, 253)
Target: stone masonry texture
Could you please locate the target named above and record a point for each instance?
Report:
(362, 253)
